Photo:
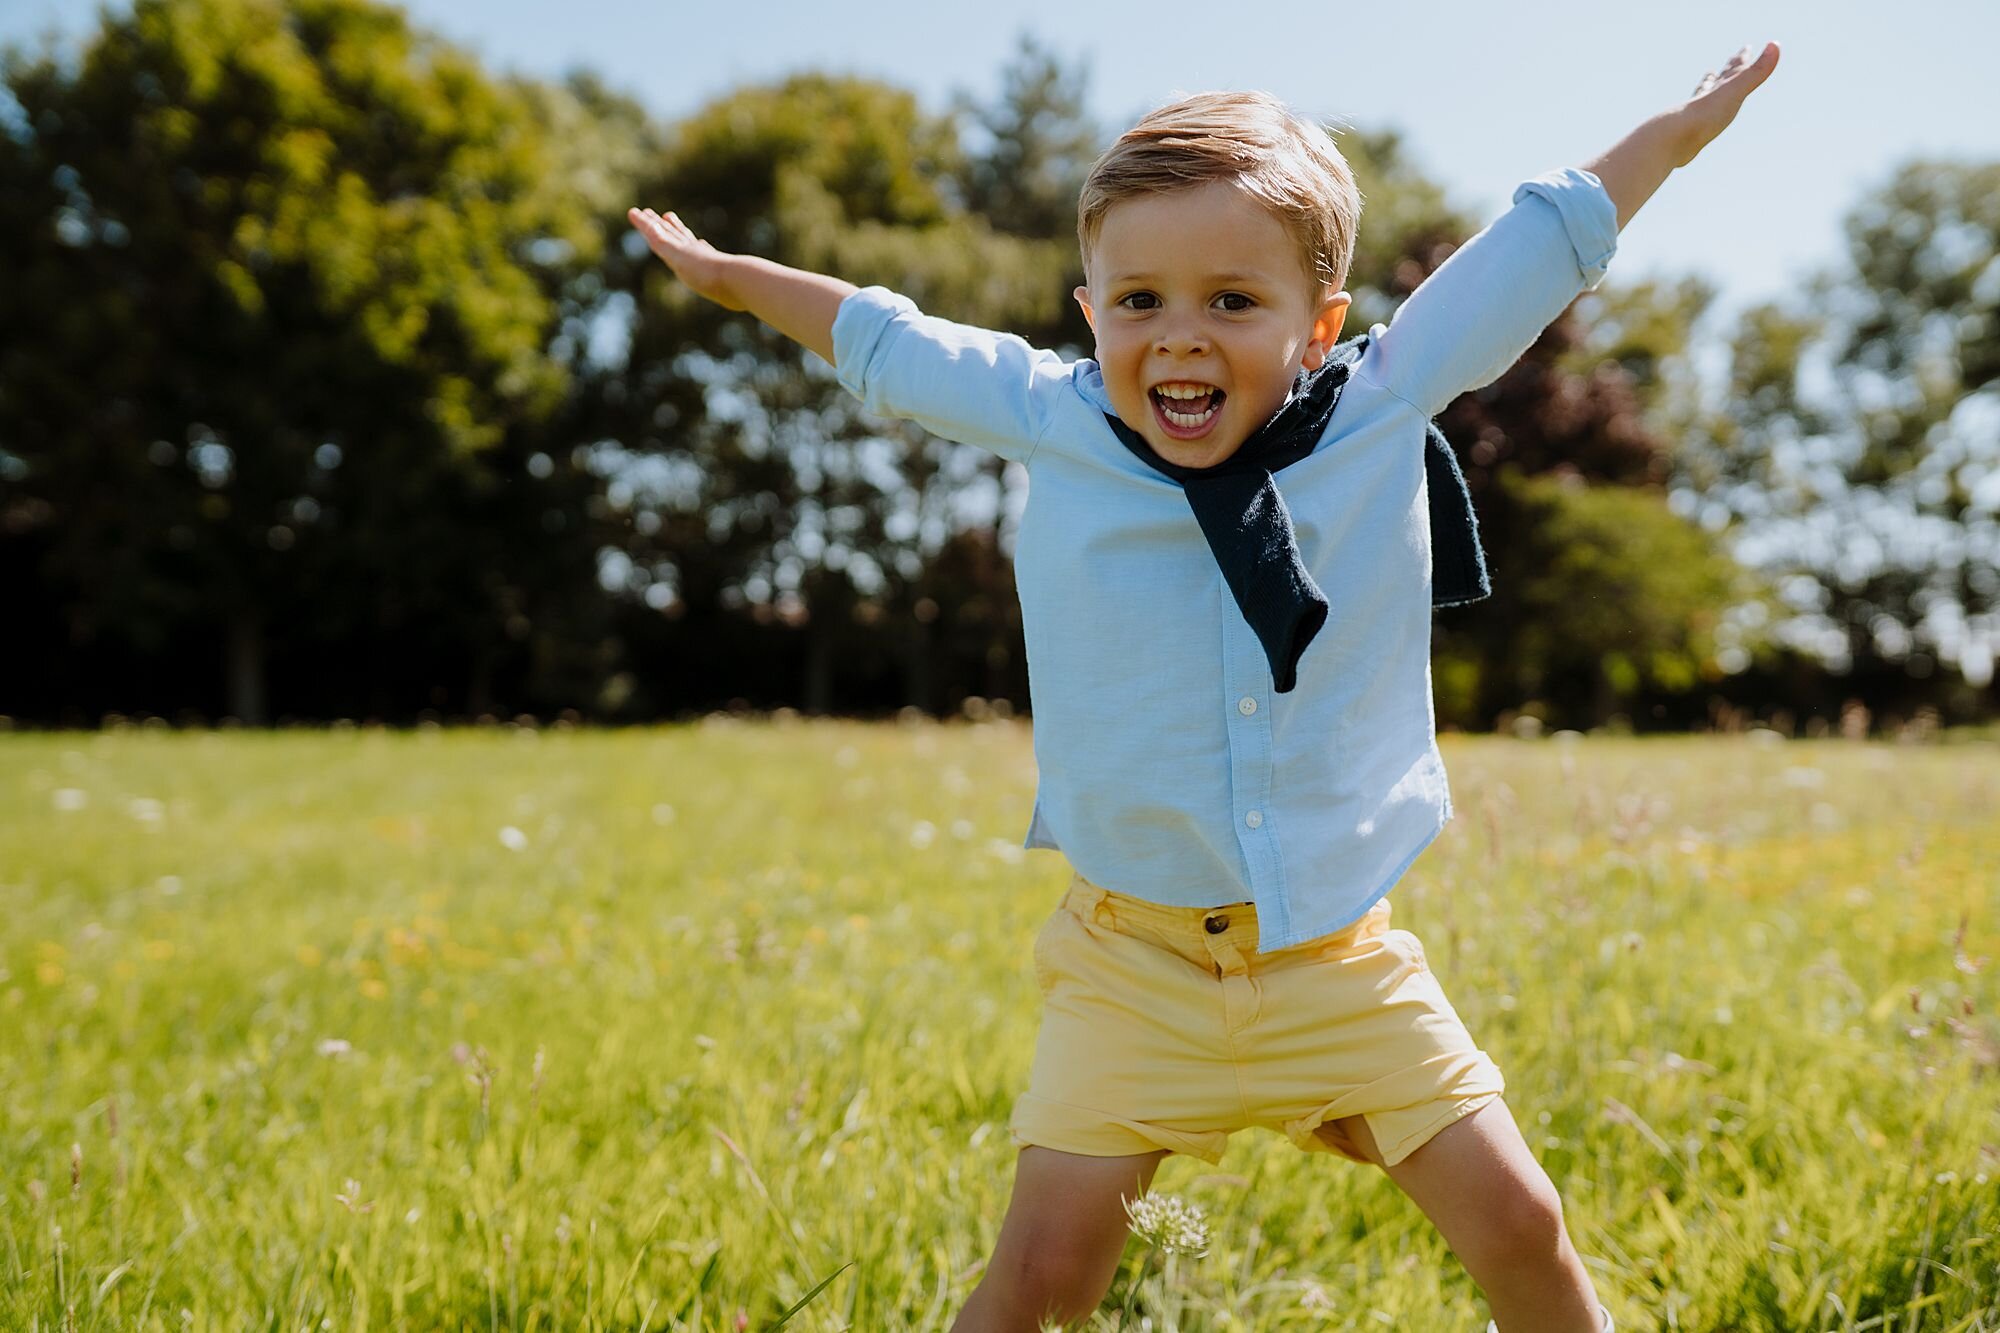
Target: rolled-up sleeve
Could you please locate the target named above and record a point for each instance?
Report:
(957, 381)
(1487, 303)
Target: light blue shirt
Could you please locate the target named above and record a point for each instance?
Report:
(1170, 770)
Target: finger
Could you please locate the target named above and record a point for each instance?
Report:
(654, 229)
(1760, 69)
(1746, 77)
(1752, 56)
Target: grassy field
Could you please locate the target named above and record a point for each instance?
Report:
(517, 1029)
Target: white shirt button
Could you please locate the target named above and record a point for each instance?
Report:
(1255, 819)
(1246, 705)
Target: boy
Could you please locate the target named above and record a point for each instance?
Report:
(1234, 807)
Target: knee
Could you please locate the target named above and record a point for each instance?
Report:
(1050, 1287)
(1525, 1228)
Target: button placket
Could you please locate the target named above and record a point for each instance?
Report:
(1246, 679)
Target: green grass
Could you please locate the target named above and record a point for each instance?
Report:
(747, 1002)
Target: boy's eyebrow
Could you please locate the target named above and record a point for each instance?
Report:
(1213, 277)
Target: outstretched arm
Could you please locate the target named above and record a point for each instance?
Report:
(1490, 301)
(798, 304)
(1635, 166)
(964, 383)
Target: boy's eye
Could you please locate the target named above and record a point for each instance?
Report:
(1247, 302)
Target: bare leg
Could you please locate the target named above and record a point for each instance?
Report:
(1497, 1209)
(1060, 1243)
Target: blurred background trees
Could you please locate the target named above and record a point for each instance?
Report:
(334, 383)
(282, 285)
(1855, 450)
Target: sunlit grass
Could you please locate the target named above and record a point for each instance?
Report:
(510, 1029)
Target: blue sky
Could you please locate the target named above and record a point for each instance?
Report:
(1484, 95)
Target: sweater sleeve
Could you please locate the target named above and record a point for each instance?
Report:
(963, 383)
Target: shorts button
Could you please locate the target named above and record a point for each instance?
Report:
(1217, 924)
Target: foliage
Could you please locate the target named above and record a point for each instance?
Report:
(280, 294)
(774, 496)
(334, 382)
(1618, 594)
(1854, 449)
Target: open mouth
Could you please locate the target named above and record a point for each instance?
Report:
(1186, 410)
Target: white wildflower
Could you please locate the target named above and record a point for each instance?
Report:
(1175, 1226)
(69, 799)
(1005, 851)
(513, 839)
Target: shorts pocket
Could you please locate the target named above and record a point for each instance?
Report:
(1045, 977)
(1409, 947)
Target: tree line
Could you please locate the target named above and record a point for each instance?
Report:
(333, 383)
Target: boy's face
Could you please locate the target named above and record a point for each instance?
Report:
(1203, 291)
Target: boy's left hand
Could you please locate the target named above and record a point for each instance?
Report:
(1717, 98)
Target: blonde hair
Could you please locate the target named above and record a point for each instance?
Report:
(1252, 139)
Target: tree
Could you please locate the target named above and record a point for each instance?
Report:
(764, 491)
(1618, 596)
(1572, 434)
(279, 297)
(1854, 455)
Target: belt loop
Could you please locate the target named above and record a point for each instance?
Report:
(1098, 906)
(1092, 902)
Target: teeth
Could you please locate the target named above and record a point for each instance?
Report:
(1182, 391)
(1187, 420)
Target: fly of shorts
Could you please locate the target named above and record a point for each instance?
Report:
(1166, 1027)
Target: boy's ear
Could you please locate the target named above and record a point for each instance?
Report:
(1327, 320)
(1082, 295)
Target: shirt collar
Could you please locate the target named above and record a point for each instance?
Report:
(1089, 382)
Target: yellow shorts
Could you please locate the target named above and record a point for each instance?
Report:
(1164, 1027)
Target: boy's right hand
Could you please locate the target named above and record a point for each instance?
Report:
(1718, 97)
(694, 261)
